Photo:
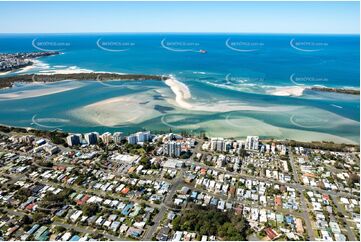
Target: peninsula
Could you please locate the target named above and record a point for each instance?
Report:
(14, 61)
(7, 82)
(337, 90)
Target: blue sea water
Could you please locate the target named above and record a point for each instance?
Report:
(244, 68)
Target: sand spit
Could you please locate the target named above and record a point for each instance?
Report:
(39, 91)
(183, 94)
(294, 91)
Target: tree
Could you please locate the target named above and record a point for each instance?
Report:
(242, 153)
(353, 178)
(176, 223)
(23, 194)
(90, 209)
(26, 219)
(40, 218)
(59, 229)
(210, 221)
(186, 155)
(251, 167)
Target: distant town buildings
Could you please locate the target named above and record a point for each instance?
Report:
(143, 136)
(173, 145)
(172, 149)
(252, 143)
(9, 62)
(211, 180)
(106, 137)
(221, 161)
(91, 138)
(118, 137)
(73, 139)
(132, 139)
(139, 137)
(217, 144)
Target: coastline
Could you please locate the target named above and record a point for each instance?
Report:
(8, 82)
(35, 64)
(327, 145)
(20, 62)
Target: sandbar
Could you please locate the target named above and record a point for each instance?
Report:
(44, 89)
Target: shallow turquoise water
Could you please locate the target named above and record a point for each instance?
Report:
(220, 75)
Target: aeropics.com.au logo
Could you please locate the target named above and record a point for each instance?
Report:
(115, 45)
(303, 80)
(309, 121)
(244, 46)
(48, 123)
(182, 46)
(50, 45)
(234, 79)
(308, 46)
(104, 82)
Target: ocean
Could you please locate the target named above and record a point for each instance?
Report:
(240, 84)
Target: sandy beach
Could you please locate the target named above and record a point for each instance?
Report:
(182, 94)
(43, 90)
(5, 73)
(44, 68)
(294, 91)
(37, 65)
(67, 70)
(242, 127)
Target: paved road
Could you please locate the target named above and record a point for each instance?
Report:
(176, 183)
(311, 235)
(296, 186)
(350, 235)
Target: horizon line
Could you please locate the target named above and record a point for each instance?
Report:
(150, 32)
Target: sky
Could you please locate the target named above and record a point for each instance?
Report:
(224, 17)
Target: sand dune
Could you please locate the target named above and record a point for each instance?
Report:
(183, 94)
